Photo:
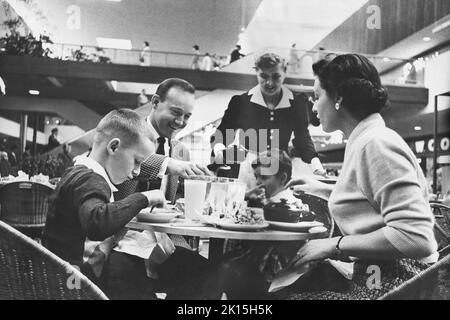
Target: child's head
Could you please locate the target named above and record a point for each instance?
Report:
(122, 142)
(273, 169)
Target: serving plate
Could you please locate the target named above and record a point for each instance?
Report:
(157, 215)
(242, 227)
(302, 226)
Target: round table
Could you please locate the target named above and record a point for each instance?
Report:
(217, 235)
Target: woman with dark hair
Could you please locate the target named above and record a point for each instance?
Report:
(379, 201)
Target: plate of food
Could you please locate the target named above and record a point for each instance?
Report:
(229, 225)
(245, 219)
(157, 215)
(290, 216)
(302, 226)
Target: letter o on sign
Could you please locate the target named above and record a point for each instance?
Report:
(431, 145)
(445, 144)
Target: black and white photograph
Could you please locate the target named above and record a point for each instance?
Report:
(224, 155)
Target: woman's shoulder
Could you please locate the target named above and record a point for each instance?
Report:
(384, 142)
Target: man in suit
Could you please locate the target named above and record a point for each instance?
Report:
(132, 264)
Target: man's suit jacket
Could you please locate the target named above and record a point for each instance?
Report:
(180, 152)
(149, 169)
(149, 172)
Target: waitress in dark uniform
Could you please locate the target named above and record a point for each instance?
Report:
(271, 113)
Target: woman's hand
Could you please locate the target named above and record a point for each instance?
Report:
(310, 185)
(313, 250)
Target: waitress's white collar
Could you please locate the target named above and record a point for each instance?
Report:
(257, 97)
(96, 167)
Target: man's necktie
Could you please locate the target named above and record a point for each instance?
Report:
(161, 143)
(155, 184)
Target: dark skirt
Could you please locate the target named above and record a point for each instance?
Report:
(371, 280)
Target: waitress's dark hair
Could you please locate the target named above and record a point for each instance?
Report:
(354, 78)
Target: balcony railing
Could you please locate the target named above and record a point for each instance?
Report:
(72, 52)
(392, 70)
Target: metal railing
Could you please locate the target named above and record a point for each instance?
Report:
(299, 62)
(74, 52)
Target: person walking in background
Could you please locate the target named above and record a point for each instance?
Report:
(142, 98)
(207, 63)
(65, 156)
(53, 141)
(195, 64)
(144, 57)
(294, 61)
(236, 54)
(5, 167)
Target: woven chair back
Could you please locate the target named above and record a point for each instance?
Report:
(24, 204)
(425, 285)
(28, 271)
(442, 225)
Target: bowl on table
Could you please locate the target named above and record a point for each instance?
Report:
(157, 215)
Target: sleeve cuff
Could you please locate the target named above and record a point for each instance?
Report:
(218, 148)
(316, 165)
(163, 169)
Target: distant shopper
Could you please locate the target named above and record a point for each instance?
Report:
(236, 54)
(5, 167)
(65, 157)
(195, 64)
(144, 57)
(207, 63)
(26, 154)
(142, 98)
(53, 141)
(294, 61)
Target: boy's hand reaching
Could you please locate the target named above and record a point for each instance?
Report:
(155, 198)
(257, 192)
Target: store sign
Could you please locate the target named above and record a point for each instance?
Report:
(427, 145)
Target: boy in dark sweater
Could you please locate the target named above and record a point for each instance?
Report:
(84, 221)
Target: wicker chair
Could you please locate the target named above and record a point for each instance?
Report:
(24, 205)
(442, 226)
(29, 271)
(425, 285)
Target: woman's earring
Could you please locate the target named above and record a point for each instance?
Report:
(337, 106)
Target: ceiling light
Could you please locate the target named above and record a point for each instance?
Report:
(417, 128)
(114, 43)
(426, 38)
(34, 92)
(441, 27)
(114, 84)
(385, 59)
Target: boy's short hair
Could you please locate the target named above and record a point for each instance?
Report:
(125, 124)
(275, 158)
(269, 60)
